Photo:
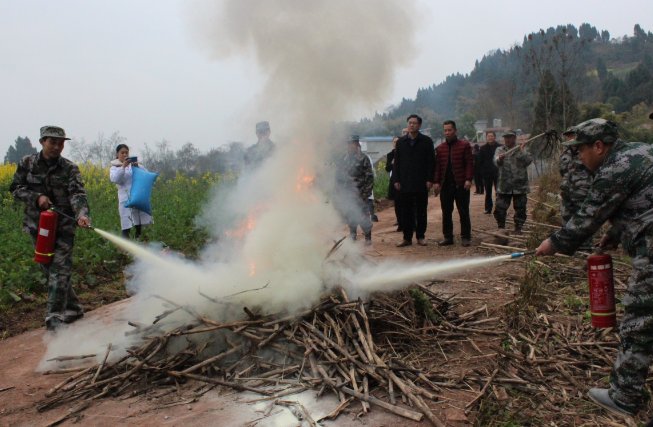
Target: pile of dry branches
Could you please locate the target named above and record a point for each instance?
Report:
(367, 353)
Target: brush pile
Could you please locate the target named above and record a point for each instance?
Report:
(361, 352)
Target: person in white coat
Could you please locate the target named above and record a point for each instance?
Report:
(121, 175)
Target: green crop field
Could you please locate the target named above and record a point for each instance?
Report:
(175, 203)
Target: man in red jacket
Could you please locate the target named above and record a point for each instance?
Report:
(454, 171)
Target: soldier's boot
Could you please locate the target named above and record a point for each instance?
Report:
(502, 237)
(368, 239)
(53, 322)
(352, 233)
(71, 316)
(601, 397)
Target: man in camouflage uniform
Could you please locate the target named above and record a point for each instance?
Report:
(45, 180)
(264, 147)
(575, 183)
(356, 178)
(622, 193)
(576, 180)
(512, 184)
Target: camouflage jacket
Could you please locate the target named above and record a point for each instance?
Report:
(513, 171)
(356, 171)
(576, 178)
(257, 153)
(622, 192)
(60, 181)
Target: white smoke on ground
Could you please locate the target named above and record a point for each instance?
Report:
(272, 229)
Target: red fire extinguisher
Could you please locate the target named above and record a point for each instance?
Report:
(45, 238)
(601, 284)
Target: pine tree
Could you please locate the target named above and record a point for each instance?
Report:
(21, 148)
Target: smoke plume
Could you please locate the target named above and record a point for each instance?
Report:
(272, 229)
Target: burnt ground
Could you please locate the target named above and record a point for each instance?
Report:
(517, 358)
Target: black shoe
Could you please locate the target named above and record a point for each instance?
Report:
(71, 316)
(53, 323)
(374, 218)
(466, 241)
(445, 242)
(404, 243)
(601, 397)
(400, 229)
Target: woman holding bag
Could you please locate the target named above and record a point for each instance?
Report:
(121, 175)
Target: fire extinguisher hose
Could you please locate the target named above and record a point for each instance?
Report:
(68, 216)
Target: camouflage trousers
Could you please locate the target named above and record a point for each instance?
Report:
(62, 300)
(568, 207)
(630, 370)
(502, 205)
(360, 215)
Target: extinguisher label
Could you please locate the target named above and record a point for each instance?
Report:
(44, 232)
(601, 267)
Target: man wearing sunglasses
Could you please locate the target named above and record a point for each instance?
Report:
(622, 193)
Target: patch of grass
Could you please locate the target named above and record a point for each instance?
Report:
(494, 414)
(175, 202)
(574, 303)
(381, 181)
(423, 306)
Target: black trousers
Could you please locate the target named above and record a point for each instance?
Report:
(478, 182)
(413, 214)
(448, 195)
(490, 181)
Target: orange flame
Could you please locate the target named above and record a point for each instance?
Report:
(243, 228)
(252, 269)
(304, 180)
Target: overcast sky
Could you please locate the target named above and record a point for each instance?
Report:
(135, 66)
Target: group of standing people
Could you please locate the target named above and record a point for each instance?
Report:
(416, 166)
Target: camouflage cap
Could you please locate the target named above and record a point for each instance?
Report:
(262, 126)
(53, 132)
(509, 132)
(592, 130)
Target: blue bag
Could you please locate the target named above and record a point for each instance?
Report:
(141, 191)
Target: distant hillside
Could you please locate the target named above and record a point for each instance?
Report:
(553, 79)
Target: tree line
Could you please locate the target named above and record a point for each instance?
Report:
(160, 157)
(553, 79)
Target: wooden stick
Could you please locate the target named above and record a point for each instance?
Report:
(508, 248)
(65, 358)
(99, 368)
(482, 392)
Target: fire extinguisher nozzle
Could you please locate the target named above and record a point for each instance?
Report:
(520, 254)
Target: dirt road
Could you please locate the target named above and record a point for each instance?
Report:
(21, 387)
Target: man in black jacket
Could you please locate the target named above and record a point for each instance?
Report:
(488, 168)
(392, 193)
(413, 173)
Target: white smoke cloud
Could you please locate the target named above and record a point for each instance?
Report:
(322, 60)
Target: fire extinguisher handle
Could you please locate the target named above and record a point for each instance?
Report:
(54, 209)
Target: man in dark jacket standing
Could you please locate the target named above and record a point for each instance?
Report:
(454, 171)
(489, 170)
(413, 178)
